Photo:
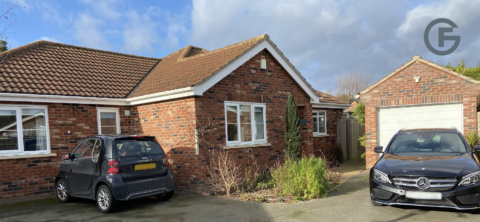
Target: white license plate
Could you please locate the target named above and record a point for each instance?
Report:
(423, 195)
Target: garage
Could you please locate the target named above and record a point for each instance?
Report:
(392, 119)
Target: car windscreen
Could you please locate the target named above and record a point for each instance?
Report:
(135, 147)
(427, 142)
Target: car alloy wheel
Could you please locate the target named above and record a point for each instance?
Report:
(62, 191)
(103, 198)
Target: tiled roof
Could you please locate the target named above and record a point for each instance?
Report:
(327, 98)
(353, 105)
(49, 68)
(185, 68)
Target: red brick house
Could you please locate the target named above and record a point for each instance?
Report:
(419, 94)
(68, 93)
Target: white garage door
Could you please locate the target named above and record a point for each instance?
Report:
(390, 120)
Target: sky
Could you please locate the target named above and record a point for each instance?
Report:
(323, 39)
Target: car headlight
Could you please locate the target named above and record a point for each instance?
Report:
(380, 176)
(470, 179)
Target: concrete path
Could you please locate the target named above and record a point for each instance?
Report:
(350, 169)
(350, 203)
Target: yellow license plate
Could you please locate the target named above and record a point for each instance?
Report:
(145, 166)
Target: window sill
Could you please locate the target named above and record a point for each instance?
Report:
(321, 135)
(22, 156)
(246, 146)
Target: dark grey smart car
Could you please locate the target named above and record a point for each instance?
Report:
(111, 168)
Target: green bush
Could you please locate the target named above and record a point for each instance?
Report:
(473, 72)
(304, 178)
(472, 138)
(359, 113)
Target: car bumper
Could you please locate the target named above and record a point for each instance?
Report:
(132, 189)
(460, 198)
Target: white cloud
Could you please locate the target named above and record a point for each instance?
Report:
(105, 8)
(46, 38)
(411, 31)
(139, 33)
(87, 33)
(326, 38)
(176, 27)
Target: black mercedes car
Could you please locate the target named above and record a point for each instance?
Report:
(111, 168)
(427, 167)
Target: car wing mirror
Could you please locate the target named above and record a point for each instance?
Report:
(476, 148)
(378, 149)
(67, 156)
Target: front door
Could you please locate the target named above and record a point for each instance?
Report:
(82, 167)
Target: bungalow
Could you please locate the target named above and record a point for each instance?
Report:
(53, 95)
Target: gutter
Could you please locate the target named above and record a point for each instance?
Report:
(162, 96)
(330, 105)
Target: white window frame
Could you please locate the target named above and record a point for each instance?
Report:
(21, 148)
(317, 112)
(252, 123)
(108, 110)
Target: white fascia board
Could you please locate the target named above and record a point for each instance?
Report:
(18, 97)
(168, 95)
(330, 105)
(203, 87)
(162, 96)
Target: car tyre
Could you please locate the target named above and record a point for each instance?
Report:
(376, 204)
(166, 196)
(105, 200)
(62, 192)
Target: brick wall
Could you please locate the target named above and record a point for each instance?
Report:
(173, 124)
(28, 178)
(328, 144)
(435, 86)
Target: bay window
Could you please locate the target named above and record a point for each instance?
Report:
(319, 122)
(108, 120)
(24, 130)
(245, 123)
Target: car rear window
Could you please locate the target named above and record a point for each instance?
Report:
(135, 147)
(427, 142)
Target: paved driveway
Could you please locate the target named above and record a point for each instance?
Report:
(350, 203)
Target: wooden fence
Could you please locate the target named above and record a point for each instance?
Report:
(348, 132)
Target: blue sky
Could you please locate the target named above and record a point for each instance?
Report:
(323, 39)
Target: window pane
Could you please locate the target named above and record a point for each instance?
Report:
(108, 119)
(232, 127)
(321, 122)
(232, 132)
(231, 114)
(315, 123)
(245, 123)
(34, 130)
(109, 130)
(85, 149)
(8, 130)
(259, 124)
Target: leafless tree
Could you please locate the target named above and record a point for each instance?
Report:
(350, 84)
(7, 19)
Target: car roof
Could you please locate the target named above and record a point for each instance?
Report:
(428, 130)
(117, 136)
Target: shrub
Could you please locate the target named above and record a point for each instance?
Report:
(224, 172)
(304, 178)
(292, 133)
(473, 72)
(472, 138)
(359, 113)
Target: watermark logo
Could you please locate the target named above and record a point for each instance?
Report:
(441, 36)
